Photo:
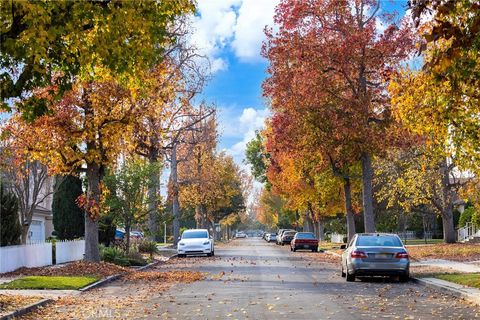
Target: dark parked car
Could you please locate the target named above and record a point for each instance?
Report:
(304, 240)
(375, 254)
(287, 237)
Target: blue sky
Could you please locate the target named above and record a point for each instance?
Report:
(230, 33)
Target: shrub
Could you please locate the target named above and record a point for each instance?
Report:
(68, 218)
(475, 218)
(114, 255)
(136, 259)
(466, 216)
(10, 230)
(147, 246)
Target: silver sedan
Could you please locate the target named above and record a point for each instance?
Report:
(375, 254)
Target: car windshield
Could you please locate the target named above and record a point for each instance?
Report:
(305, 236)
(289, 233)
(378, 241)
(195, 234)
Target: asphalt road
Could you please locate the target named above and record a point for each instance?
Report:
(251, 279)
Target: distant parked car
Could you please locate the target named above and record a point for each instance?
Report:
(271, 237)
(304, 240)
(240, 234)
(195, 241)
(280, 233)
(136, 234)
(287, 237)
(119, 234)
(375, 254)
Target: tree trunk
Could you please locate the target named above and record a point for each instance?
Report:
(348, 209)
(321, 230)
(198, 216)
(175, 202)
(91, 226)
(127, 238)
(205, 221)
(315, 230)
(307, 223)
(367, 193)
(447, 212)
(153, 187)
(25, 233)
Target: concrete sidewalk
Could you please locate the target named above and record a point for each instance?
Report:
(458, 290)
(462, 267)
(41, 293)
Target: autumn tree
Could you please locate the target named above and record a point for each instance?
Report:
(27, 178)
(171, 86)
(63, 41)
(440, 102)
(127, 197)
(209, 181)
(336, 46)
(196, 177)
(83, 132)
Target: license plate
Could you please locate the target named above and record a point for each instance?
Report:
(383, 256)
(305, 246)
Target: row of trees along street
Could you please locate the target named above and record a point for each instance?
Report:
(371, 113)
(106, 92)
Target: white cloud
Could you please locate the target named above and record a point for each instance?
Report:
(249, 121)
(253, 16)
(235, 24)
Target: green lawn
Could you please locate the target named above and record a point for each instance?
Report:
(466, 279)
(324, 245)
(49, 282)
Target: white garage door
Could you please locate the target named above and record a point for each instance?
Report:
(36, 231)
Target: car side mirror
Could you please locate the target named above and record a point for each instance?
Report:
(179, 238)
(343, 246)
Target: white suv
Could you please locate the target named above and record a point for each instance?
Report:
(195, 241)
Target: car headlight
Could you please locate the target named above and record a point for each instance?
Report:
(206, 242)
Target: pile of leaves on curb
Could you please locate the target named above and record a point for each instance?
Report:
(166, 276)
(77, 268)
(455, 251)
(9, 303)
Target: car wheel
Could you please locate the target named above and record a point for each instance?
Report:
(181, 256)
(291, 249)
(213, 253)
(350, 277)
(283, 244)
(314, 250)
(343, 273)
(294, 249)
(404, 277)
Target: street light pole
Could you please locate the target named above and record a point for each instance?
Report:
(164, 232)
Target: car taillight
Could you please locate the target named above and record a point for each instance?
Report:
(401, 255)
(358, 255)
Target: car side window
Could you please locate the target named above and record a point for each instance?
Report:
(351, 242)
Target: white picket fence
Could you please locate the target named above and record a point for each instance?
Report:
(69, 250)
(39, 254)
(29, 255)
(337, 238)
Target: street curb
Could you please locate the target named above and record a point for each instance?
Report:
(332, 253)
(447, 290)
(26, 309)
(101, 282)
